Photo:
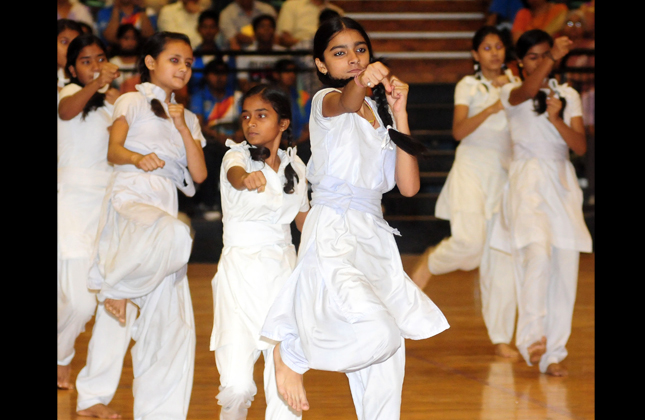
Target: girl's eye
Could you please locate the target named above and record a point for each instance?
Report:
(339, 53)
(174, 60)
(189, 64)
(487, 48)
(362, 50)
(102, 59)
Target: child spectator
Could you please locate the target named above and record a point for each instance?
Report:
(124, 11)
(236, 18)
(126, 53)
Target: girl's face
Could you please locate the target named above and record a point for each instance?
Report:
(345, 56)
(89, 61)
(172, 68)
(573, 28)
(64, 38)
(128, 42)
(490, 53)
(260, 123)
(534, 57)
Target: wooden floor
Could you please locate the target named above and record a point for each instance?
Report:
(452, 376)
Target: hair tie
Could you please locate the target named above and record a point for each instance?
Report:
(553, 84)
(291, 153)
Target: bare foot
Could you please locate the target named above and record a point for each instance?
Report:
(290, 384)
(505, 350)
(420, 273)
(116, 308)
(64, 372)
(536, 350)
(556, 369)
(100, 411)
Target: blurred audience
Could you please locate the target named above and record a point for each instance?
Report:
(298, 21)
(235, 21)
(126, 53)
(182, 16)
(539, 14)
(109, 18)
(75, 10)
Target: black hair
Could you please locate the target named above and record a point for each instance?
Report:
(72, 25)
(525, 42)
(326, 31)
(74, 49)
(281, 104)
(281, 65)
(217, 66)
(479, 37)
(85, 28)
(121, 31)
(208, 14)
(257, 20)
(153, 47)
(325, 14)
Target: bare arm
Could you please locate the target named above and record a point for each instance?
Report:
(242, 180)
(574, 135)
(119, 155)
(194, 152)
(300, 219)
(462, 126)
(70, 106)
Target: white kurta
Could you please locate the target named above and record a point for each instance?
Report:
(83, 174)
(542, 225)
(348, 290)
(257, 258)
(142, 253)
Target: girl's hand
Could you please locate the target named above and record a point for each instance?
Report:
(109, 72)
(374, 74)
(148, 162)
(255, 181)
(176, 112)
(561, 47)
(553, 106)
(397, 96)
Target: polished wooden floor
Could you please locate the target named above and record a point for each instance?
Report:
(452, 376)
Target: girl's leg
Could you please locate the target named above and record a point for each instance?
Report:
(376, 389)
(532, 273)
(560, 302)
(277, 409)
(462, 250)
(76, 305)
(163, 358)
(98, 380)
(499, 300)
(236, 391)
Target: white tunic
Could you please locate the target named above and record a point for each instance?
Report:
(258, 255)
(542, 201)
(479, 172)
(137, 247)
(347, 251)
(83, 174)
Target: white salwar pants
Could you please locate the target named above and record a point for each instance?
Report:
(75, 305)
(163, 357)
(467, 248)
(235, 364)
(547, 279)
(98, 380)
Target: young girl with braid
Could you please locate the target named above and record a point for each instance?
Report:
(263, 190)
(541, 222)
(349, 305)
(142, 250)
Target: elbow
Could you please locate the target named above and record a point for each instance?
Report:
(410, 191)
(457, 135)
(581, 150)
(200, 177)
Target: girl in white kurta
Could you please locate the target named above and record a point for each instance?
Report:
(349, 305)
(471, 196)
(143, 249)
(261, 196)
(83, 173)
(541, 221)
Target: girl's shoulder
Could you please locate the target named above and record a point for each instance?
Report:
(69, 90)
(237, 148)
(322, 92)
(130, 98)
(468, 80)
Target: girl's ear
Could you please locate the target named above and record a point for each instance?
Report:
(475, 55)
(284, 124)
(72, 71)
(149, 62)
(321, 66)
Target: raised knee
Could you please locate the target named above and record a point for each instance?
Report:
(236, 396)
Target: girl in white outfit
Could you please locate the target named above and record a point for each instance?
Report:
(348, 306)
(472, 194)
(263, 190)
(143, 249)
(83, 173)
(541, 223)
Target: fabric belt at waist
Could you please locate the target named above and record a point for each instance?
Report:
(238, 233)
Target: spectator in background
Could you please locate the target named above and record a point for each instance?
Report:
(539, 14)
(121, 12)
(126, 53)
(298, 21)
(74, 10)
(285, 78)
(67, 30)
(235, 21)
(261, 65)
(182, 17)
(217, 106)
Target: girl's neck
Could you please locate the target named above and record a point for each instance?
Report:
(274, 160)
(491, 74)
